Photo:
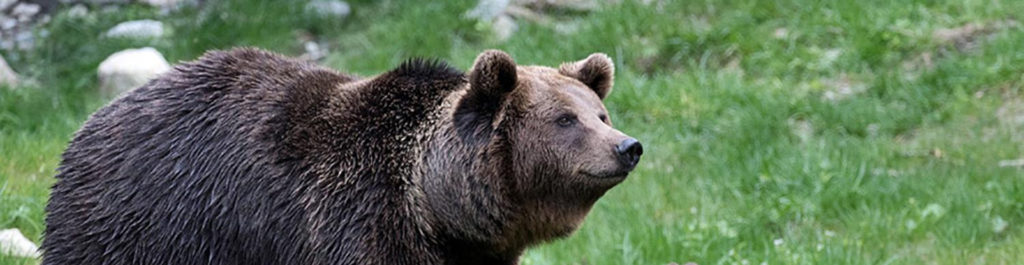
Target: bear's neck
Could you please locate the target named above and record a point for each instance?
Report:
(473, 214)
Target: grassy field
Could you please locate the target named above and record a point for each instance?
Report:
(777, 132)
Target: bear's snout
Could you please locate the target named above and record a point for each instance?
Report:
(629, 152)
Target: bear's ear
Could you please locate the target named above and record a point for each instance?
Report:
(493, 73)
(492, 78)
(596, 71)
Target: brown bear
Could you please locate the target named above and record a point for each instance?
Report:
(246, 157)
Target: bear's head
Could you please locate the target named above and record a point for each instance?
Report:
(547, 138)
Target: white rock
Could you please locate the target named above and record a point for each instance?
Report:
(139, 29)
(1012, 163)
(780, 33)
(487, 10)
(107, 2)
(335, 8)
(128, 69)
(78, 11)
(7, 23)
(25, 11)
(13, 243)
(314, 51)
(4, 4)
(7, 76)
(24, 40)
(503, 27)
(162, 3)
(999, 225)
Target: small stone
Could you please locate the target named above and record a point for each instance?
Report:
(128, 69)
(138, 29)
(314, 51)
(933, 210)
(999, 225)
(337, 9)
(78, 11)
(13, 243)
(781, 33)
(7, 75)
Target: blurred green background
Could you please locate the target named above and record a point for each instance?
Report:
(777, 132)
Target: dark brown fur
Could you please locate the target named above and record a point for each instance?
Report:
(244, 157)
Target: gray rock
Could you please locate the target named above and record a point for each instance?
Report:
(139, 29)
(131, 68)
(7, 75)
(330, 8)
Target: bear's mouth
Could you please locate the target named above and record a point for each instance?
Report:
(607, 176)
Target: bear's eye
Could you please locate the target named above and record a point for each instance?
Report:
(566, 120)
(603, 117)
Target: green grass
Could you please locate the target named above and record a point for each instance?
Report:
(905, 172)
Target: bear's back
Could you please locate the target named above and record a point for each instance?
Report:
(197, 160)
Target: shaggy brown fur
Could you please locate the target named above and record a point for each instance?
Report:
(245, 157)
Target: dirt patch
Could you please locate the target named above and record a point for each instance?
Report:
(963, 39)
(1011, 112)
(968, 37)
(843, 87)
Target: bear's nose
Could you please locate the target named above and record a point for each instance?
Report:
(629, 151)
